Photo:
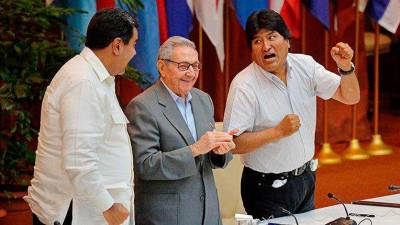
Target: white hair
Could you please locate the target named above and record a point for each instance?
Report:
(167, 48)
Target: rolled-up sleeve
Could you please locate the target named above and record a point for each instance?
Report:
(240, 109)
(326, 83)
(83, 126)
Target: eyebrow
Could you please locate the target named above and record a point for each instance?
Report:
(269, 33)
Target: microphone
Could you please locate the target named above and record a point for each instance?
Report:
(394, 187)
(341, 220)
(290, 214)
(57, 223)
(330, 195)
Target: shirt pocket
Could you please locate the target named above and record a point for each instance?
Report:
(117, 126)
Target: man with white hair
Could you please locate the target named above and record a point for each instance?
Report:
(175, 145)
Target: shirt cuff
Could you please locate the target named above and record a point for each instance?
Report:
(103, 200)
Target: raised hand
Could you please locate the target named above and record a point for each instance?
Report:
(342, 54)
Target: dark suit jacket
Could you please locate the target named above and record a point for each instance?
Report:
(171, 186)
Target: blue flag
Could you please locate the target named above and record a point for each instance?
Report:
(319, 9)
(179, 18)
(385, 12)
(244, 8)
(148, 43)
(77, 22)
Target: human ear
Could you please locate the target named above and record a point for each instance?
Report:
(116, 46)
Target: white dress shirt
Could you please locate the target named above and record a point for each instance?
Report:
(84, 151)
(258, 100)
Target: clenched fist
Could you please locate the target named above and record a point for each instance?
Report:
(342, 54)
(289, 124)
(116, 214)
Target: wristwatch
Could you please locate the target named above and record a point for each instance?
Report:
(344, 72)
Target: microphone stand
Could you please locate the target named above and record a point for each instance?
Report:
(341, 220)
(290, 214)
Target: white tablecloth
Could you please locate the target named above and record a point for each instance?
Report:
(383, 215)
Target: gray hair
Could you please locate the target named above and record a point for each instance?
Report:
(166, 49)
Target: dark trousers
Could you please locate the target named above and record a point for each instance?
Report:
(261, 200)
(67, 221)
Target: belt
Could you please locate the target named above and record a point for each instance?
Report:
(299, 171)
(273, 176)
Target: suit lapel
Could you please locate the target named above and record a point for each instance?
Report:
(201, 116)
(202, 121)
(172, 113)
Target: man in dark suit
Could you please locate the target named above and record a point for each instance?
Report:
(175, 145)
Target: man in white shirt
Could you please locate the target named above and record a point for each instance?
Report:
(273, 104)
(84, 152)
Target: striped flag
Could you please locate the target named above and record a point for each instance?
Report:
(385, 12)
(209, 13)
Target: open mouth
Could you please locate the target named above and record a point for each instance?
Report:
(269, 56)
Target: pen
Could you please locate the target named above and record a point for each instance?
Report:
(361, 215)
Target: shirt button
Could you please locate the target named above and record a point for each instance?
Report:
(259, 184)
(263, 175)
(202, 197)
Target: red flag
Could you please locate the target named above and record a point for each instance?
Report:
(162, 20)
(102, 4)
(290, 11)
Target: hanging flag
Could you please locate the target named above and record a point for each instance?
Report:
(362, 4)
(77, 22)
(290, 11)
(244, 8)
(162, 20)
(319, 9)
(209, 13)
(385, 12)
(179, 17)
(103, 4)
(148, 43)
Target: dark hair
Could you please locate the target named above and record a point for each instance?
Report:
(265, 19)
(108, 24)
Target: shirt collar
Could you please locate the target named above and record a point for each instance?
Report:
(175, 96)
(96, 64)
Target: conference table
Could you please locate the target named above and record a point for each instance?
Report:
(321, 216)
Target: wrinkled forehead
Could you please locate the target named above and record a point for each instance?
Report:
(184, 53)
